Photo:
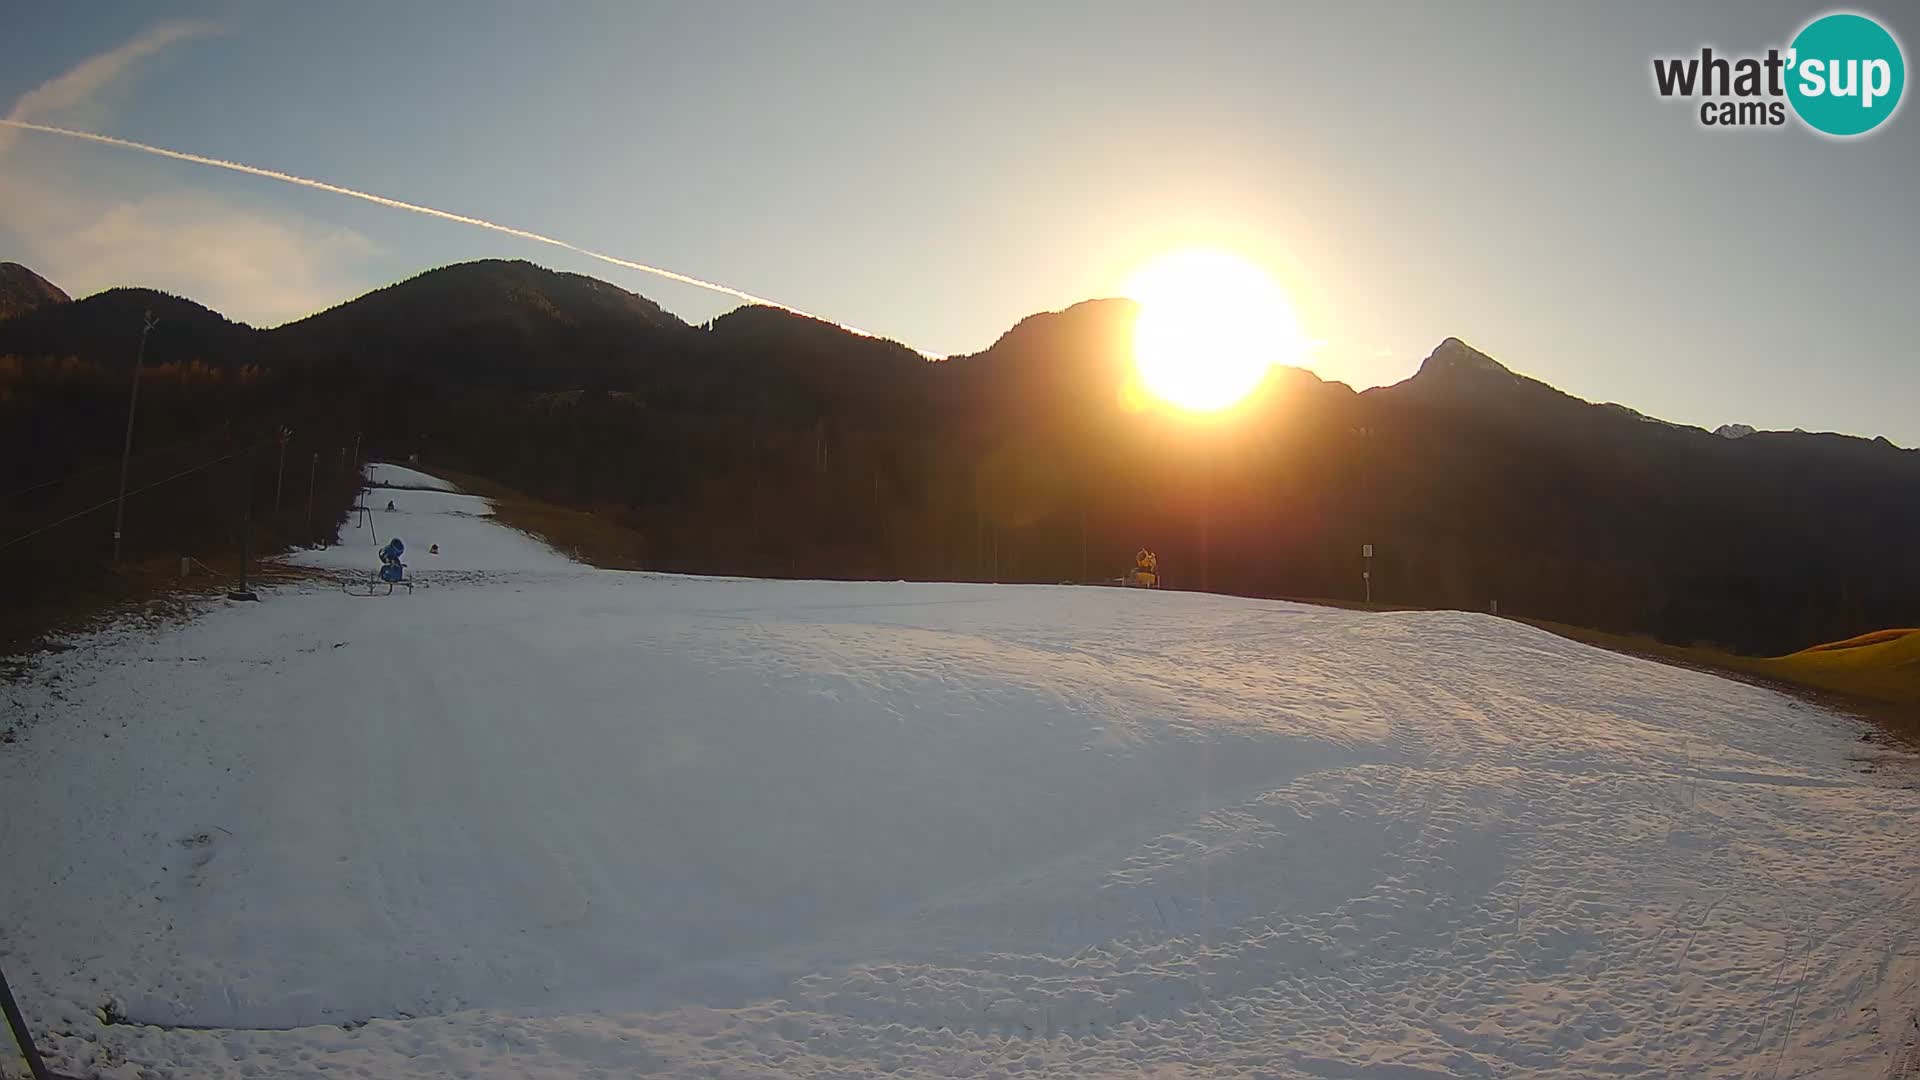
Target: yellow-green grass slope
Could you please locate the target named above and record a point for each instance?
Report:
(1876, 674)
(1883, 666)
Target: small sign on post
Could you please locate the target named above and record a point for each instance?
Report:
(1366, 552)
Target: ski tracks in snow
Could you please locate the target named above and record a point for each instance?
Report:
(543, 821)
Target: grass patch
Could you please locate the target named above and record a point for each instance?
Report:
(1877, 637)
(150, 589)
(1883, 666)
(1875, 675)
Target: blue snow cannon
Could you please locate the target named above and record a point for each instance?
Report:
(390, 567)
(392, 571)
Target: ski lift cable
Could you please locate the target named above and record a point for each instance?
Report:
(103, 505)
(58, 480)
(97, 468)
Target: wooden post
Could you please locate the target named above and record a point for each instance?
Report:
(246, 529)
(280, 477)
(312, 471)
(20, 1033)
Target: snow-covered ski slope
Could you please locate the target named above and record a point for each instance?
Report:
(539, 820)
(429, 512)
(382, 474)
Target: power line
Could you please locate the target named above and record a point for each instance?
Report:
(135, 491)
(168, 448)
(57, 480)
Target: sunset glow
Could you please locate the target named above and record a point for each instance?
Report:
(1211, 325)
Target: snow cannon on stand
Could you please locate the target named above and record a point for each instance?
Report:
(1146, 571)
(391, 568)
(392, 572)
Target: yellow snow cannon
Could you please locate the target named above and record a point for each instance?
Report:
(1146, 570)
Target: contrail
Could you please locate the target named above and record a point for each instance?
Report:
(397, 204)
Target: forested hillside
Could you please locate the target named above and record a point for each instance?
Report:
(771, 444)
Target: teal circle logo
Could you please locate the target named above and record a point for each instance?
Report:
(1845, 74)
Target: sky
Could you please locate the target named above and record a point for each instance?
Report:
(1502, 173)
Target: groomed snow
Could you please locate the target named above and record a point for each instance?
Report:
(382, 474)
(425, 516)
(538, 820)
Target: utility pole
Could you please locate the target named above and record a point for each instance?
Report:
(1083, 544)
(126, 448)
(979, 541)
(1366, 505)
(1206, 543)
(280, 478)
(312, 471)
(246, 530)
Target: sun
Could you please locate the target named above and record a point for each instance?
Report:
(1211, 324)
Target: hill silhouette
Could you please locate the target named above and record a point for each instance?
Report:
(491, 319)
(22, 290)
(104, 329)
(775, 444)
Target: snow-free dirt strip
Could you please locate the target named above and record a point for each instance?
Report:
(538, 820)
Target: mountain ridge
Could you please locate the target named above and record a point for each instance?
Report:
(22, 290)
(519, 313)
(775, 445)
